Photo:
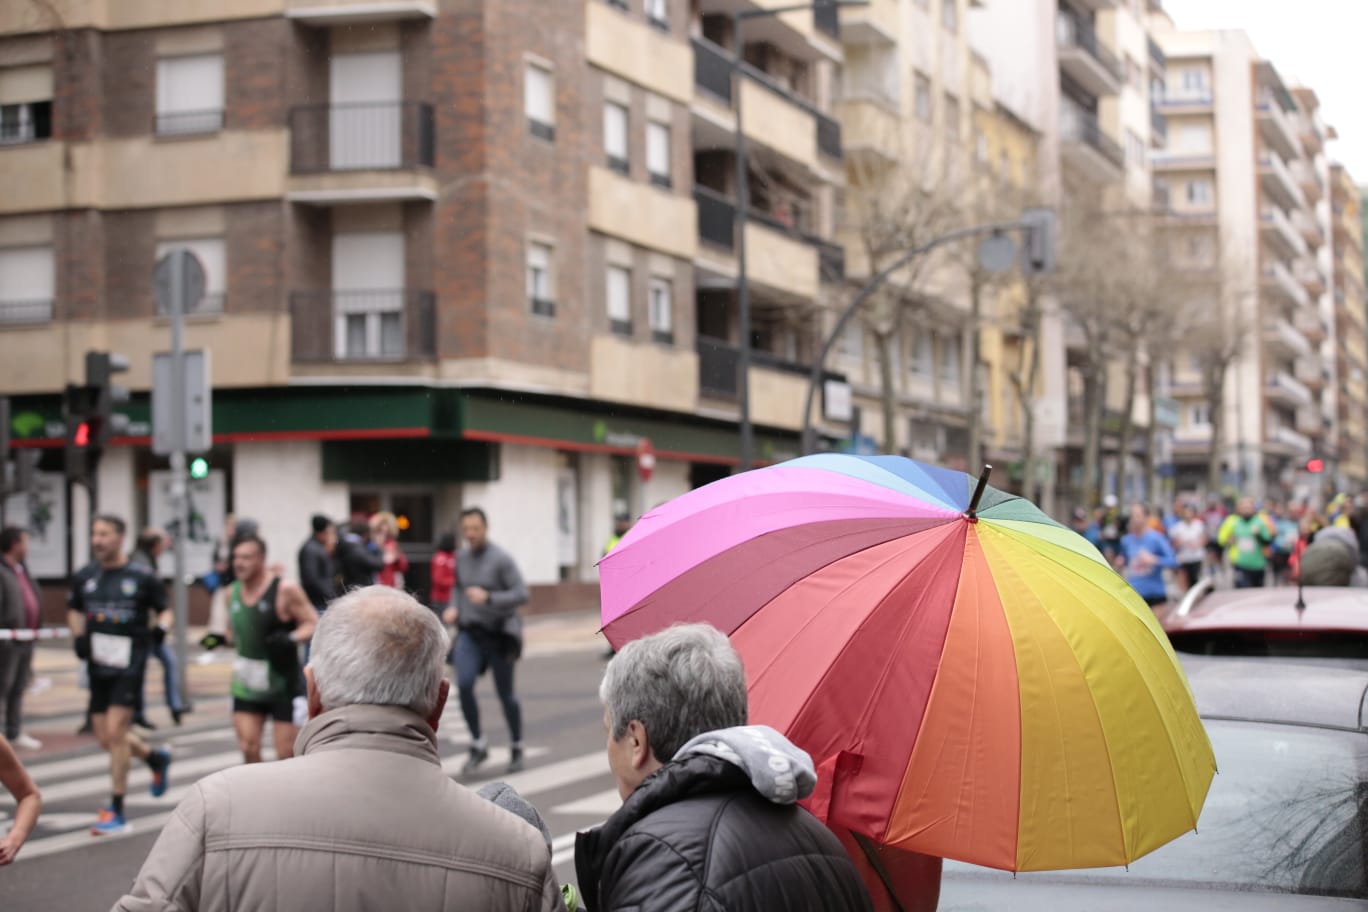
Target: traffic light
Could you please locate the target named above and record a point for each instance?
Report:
(1315, 466)
(199, 467)
(91, 422)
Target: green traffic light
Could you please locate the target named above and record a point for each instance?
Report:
(199, 468)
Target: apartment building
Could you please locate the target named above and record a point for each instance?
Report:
(911, 91)
(457, 253)
(1245, 179)
(1351, 336)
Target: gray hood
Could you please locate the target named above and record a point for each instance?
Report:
(778, 770)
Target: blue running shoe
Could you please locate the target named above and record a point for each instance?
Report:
(160, 761)
(109, 824)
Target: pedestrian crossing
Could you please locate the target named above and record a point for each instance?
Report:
(571, 792)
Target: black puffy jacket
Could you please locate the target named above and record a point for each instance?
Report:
(696, 836)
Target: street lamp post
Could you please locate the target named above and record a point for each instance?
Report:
(743, 299)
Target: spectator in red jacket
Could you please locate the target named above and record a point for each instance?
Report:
(384, 529)
(443, 573)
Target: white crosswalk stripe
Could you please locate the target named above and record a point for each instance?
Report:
(69, 783)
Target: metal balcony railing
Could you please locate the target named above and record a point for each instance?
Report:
(369, 325)
(828, 136)
(712, 69)
(361, 137)
(1079, 125)
(716, 217)
(827, 19)
(1073, 31)
(25, 311)
(185, 123)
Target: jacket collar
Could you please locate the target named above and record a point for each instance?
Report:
(383, 728)
(688, 777)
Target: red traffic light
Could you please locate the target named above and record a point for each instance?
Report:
(1315, 465)
(82, 436)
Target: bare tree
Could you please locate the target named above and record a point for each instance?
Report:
(892, 210)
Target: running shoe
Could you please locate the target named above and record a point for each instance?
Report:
(109, 824)
(160, 762)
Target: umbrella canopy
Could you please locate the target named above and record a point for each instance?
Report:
(975, 682)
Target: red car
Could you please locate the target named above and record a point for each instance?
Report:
(1314, 622)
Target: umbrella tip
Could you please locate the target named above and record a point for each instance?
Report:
(972, 512)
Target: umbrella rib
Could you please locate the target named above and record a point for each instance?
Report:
(1149, 691)
(841, 652)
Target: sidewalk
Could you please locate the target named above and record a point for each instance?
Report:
(55, 704)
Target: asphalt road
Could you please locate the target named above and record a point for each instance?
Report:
(64, 868)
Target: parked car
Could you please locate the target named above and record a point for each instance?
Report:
(1285, 822)
(1315, 622)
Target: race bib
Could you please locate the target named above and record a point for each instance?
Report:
(111, 651)
(1246, 544)
(253, 674)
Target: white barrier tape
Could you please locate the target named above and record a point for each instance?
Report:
(42, 633)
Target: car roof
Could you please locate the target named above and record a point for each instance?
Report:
(1328, 609)
(1323, 693)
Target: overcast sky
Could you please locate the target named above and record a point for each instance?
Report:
(1318, 43)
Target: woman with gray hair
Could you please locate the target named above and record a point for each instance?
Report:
(363, 818)
(709, 802)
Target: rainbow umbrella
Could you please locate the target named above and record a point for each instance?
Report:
(971, 677)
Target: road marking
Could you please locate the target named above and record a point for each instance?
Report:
(81, 839)
(599, 805)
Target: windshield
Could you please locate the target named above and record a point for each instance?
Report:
(1286, 814)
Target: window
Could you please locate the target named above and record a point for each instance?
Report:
(541, 292)
(950, 14)
(619, 294)
(1135, 150)
(190, 94)
(539, 99)
(852, 341)
(1194, 81)
(620, 4)
(658, 153)
(658, 14)
(1199, 192)
(922, 354)
(27, 284)
(210, 253)
(662, 311)
(952, 117)
(615, 136)
(923, 98)
(950, 359)
(1199, 415)
(26, 122)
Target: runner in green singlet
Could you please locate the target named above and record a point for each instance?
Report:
(269, 619)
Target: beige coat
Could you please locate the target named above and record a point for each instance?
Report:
(362, 819)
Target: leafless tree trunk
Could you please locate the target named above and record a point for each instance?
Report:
(975, 432)
(1151, 461)
(1127, 419)
(1023, 380)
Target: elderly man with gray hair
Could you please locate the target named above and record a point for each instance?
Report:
(363, 818)
(709, 818)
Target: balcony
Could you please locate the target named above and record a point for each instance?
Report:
(1309, 179)
(327, 13)
(1310, 371)
(1278, 279)
(712, 70)
(1089, 149)
(1276, 125)
(1278, 182)
(1279, 231)
(1158, 128)
(829, 137)
(777, 387)
(637, 51)
(1309, 227)
(366, 152)
(1283, 388)
(1311, 423)
(877, 23)
(1183, 161)
(781, 254)
(641, 213)
(661, 376)
(1085, 59)
(1176, 101)
(1283, 339)
(1289, 441)
(1310, 325)
(872, 132)
(392, 325)
(1311, 278)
